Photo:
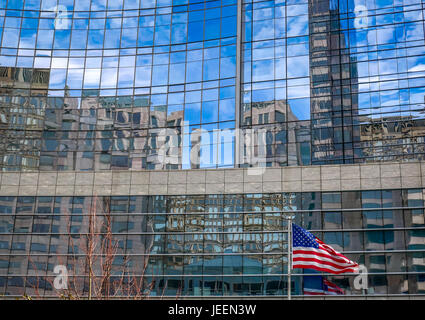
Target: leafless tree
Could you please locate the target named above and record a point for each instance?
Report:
(93, 273)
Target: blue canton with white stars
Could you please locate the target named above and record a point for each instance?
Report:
(303, 238)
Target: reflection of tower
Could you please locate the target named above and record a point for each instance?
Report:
(21, 116)
(299, 139)
(287, 138)
(334, 109)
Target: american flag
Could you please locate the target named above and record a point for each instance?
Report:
(318, 286)
(309, 252)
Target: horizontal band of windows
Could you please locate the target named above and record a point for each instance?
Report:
(358, 53)
(109, 52)
(230, 39)
(190, 232)
(60, 93)
(341, 18)
(199, 275)
(227, 293)
(200, 254)
(289, 211)
(138, 11)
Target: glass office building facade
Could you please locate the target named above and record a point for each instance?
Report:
(102, 86)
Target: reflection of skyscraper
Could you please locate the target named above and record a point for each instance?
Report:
(334, 106)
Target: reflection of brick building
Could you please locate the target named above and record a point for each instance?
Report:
(287, 140)
(128, 133)
(392, 138)
(22, 116)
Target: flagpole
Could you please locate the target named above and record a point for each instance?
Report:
(289, 255)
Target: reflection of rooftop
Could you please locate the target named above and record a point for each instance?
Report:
(14, 79)
(265, 112)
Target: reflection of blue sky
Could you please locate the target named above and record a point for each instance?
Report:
(227, 109)
(177, 73)
(211, 69)
(210, 111)
(300, 108)
(91, 78)
(298, 66)
(192, 113)
(10, 38)
(75, 78)
(262, 70)
(297, 26)
(28, 37)
(62, 38)
(382, 84)
(176, 98)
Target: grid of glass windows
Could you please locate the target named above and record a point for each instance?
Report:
(334, 81)
(215, 244)
(105, 85)
(367, 80)
(118, 71)
(275, 78)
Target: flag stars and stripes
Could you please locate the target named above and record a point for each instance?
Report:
(310, 252)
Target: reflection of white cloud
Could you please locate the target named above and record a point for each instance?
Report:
(59, 62)
(262, 70)
(417, 68)
(298, 92)
(109, 77)
(10, 38)
(42, 62)
(75, 78)
(263, 53)
(390, 98)
(414, 31)
(263, 30)
(388, 66)
(298, 66)
(416, 75)
(27, 42)
(91, 78)
(297, 26)
(76, 63)
(227, 67)
(147, 4)
(227, 109)
(126, 77)
(143, 76)
(57, 78)
(263, 14)
(97, 5)
(296, 10)
(178, 33)
(386, 35)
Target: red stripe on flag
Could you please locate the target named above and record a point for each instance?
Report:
(321, 261)
(320, 254)
(325, 269)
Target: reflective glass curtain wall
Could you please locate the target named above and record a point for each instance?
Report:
(114, 74)
(221, 245)
(89, 85)
(334, 81)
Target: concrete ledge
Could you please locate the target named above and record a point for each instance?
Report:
(373, 176)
